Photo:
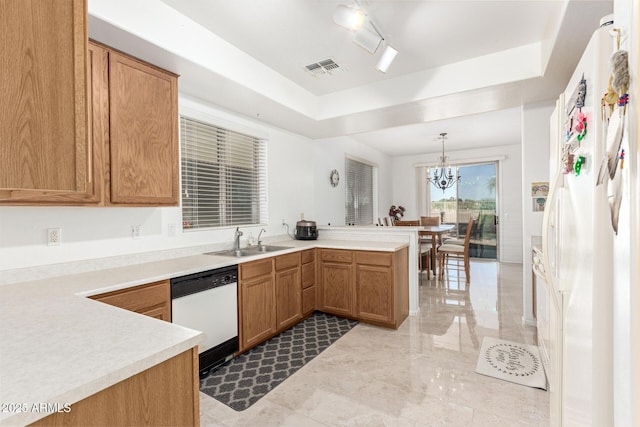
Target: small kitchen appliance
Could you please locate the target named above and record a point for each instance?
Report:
(306, 230)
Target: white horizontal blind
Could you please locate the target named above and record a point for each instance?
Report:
(224, 176)
(360, 192)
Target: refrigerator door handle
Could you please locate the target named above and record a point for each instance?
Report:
(549, 221)
(552, 205)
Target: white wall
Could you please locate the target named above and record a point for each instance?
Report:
(298, 179)
(405, 190)
(89, 233)
(329, 154)
(535, 168)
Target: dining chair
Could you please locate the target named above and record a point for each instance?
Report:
(424, 249)
(430, 220)
(410, 222)
(457, 240)
(448, 252)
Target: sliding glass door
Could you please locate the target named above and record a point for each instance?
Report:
(474, 196)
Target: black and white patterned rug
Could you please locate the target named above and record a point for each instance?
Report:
(511, 361)
(247, 378)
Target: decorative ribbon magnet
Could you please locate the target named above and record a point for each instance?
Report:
(577, 167)
(581, 126)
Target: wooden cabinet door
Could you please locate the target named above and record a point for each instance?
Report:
(143, 133)
(288, 297)
(44, 143)
(257, 314)
(308, 300)
(374, 293)
(336, 288)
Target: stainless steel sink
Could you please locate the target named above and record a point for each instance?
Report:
(253, 250)
(267, 248)
(231, 252)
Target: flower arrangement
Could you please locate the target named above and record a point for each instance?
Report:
(396, 212)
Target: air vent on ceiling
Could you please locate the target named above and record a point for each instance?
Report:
(323, 68)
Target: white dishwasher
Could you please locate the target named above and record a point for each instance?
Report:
(208, 302)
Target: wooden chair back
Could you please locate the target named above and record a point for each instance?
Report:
(407, 222)
(454, 251)
(430, 220)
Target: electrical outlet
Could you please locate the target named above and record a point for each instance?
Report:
(54, 236)
(136, 232)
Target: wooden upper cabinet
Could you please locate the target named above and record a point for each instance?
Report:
(143, 102)
(45, 150)
(81, 123)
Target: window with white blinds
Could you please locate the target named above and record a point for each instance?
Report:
(224, 176)
(361, 192)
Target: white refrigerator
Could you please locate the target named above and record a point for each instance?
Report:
(578, 244)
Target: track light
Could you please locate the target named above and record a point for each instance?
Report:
(386, 59)
(367, 39)
(349, 17)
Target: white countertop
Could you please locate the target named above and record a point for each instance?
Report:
(59, 347)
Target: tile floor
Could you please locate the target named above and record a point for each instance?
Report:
(420, 375)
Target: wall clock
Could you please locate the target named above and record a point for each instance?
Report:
(334, 178)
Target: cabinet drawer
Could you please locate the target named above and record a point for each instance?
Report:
(374, 258)
(152, 299)
(337, 255)
(308, 256)
(308, 275)
(287, 261)
(256, 268)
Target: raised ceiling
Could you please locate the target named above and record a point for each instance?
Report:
(464, 67)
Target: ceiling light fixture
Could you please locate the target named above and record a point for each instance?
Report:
(349, 17)
(443, 179)
(369, 38)
(386, 59)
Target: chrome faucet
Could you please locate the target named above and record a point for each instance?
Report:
(260, 237)
(236, 244)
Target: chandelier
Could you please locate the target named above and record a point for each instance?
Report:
(443, 177)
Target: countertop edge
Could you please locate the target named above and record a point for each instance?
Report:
(102, 383)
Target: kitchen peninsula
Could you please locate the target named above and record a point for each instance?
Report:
(60, 348)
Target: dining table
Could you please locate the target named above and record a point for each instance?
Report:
(435, 232)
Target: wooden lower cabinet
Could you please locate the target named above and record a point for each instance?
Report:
(365, 285)
(164, 395)
(308, 300)
(336, 282)
(308, 282)
(288, 290)
(276, 293)
(374, 300)
(153, 299)
(256, 296)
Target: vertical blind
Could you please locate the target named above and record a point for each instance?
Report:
(361, 192)
(224, 176)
